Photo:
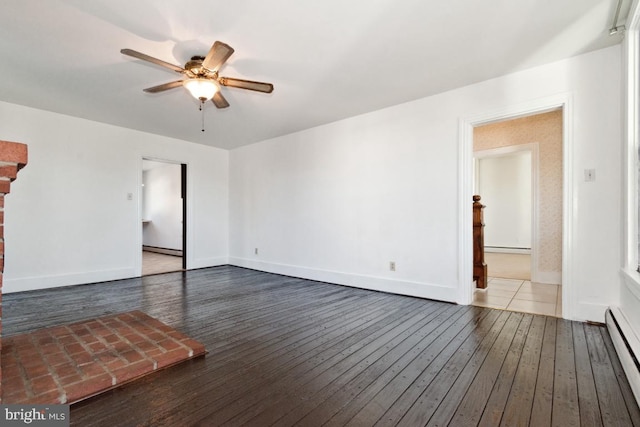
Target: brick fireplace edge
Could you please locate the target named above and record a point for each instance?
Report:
(13, 157)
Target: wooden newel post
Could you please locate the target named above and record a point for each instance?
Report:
(479, 266)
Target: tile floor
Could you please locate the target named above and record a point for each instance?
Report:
(520, 295)
(155, 263)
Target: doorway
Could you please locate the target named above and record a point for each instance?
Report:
(506, 179)
(164, 202)
(518, 172)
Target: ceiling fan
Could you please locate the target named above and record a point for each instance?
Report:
(201, 75)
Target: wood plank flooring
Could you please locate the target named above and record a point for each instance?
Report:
(285, 351)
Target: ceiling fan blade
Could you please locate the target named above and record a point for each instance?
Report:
(163, 87)
(219, 100)
(217, 56)
(246, 84)
(153, 60)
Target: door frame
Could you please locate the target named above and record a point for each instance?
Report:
(183, 194)
(465, 191)
(532, 148)
(186, 210)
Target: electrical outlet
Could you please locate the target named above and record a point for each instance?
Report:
(129, 196)
(392, 265)
(255, 251)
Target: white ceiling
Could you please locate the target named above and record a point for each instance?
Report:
(328, 59)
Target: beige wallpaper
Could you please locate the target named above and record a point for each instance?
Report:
(546, 130)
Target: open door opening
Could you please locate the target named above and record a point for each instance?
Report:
(164, 201)
(518, 173)
(505, 178)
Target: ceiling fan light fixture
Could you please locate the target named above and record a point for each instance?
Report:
(200, 75)
(200, 88)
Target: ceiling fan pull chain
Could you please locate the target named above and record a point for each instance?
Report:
(202, 111)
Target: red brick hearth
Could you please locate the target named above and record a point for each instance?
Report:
(64, 364)
(13, 157)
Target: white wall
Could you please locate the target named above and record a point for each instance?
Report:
(162, 207)
(504, 183)
(338, 202)
(68, 219)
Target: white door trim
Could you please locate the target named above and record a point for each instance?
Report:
(465, 191)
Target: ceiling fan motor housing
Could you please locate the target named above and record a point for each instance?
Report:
(195, 65)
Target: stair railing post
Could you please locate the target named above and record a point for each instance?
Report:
(479, 266)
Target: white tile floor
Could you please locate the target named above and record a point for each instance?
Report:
(520, 295)
(154, 263)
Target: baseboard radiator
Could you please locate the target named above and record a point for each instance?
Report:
(166, 251)
(627, 346)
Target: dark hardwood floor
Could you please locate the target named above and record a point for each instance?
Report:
(286, 351)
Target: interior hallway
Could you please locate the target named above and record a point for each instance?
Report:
(510, 287)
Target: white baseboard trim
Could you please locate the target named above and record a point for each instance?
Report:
(503, 250)
(206, 262)
(22, 284)
(547, 277)
(383, 284)
(590, 312)
(627, 346)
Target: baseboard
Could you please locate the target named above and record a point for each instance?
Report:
(627, 346)
(590, 312)
(43, 282)
(22, 284)
(166, 251)
(207, 262)
(504, 250)
(547, 277)
(383, 284)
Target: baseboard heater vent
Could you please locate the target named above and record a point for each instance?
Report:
(166, 251)
(507, 250)
(627, 346)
